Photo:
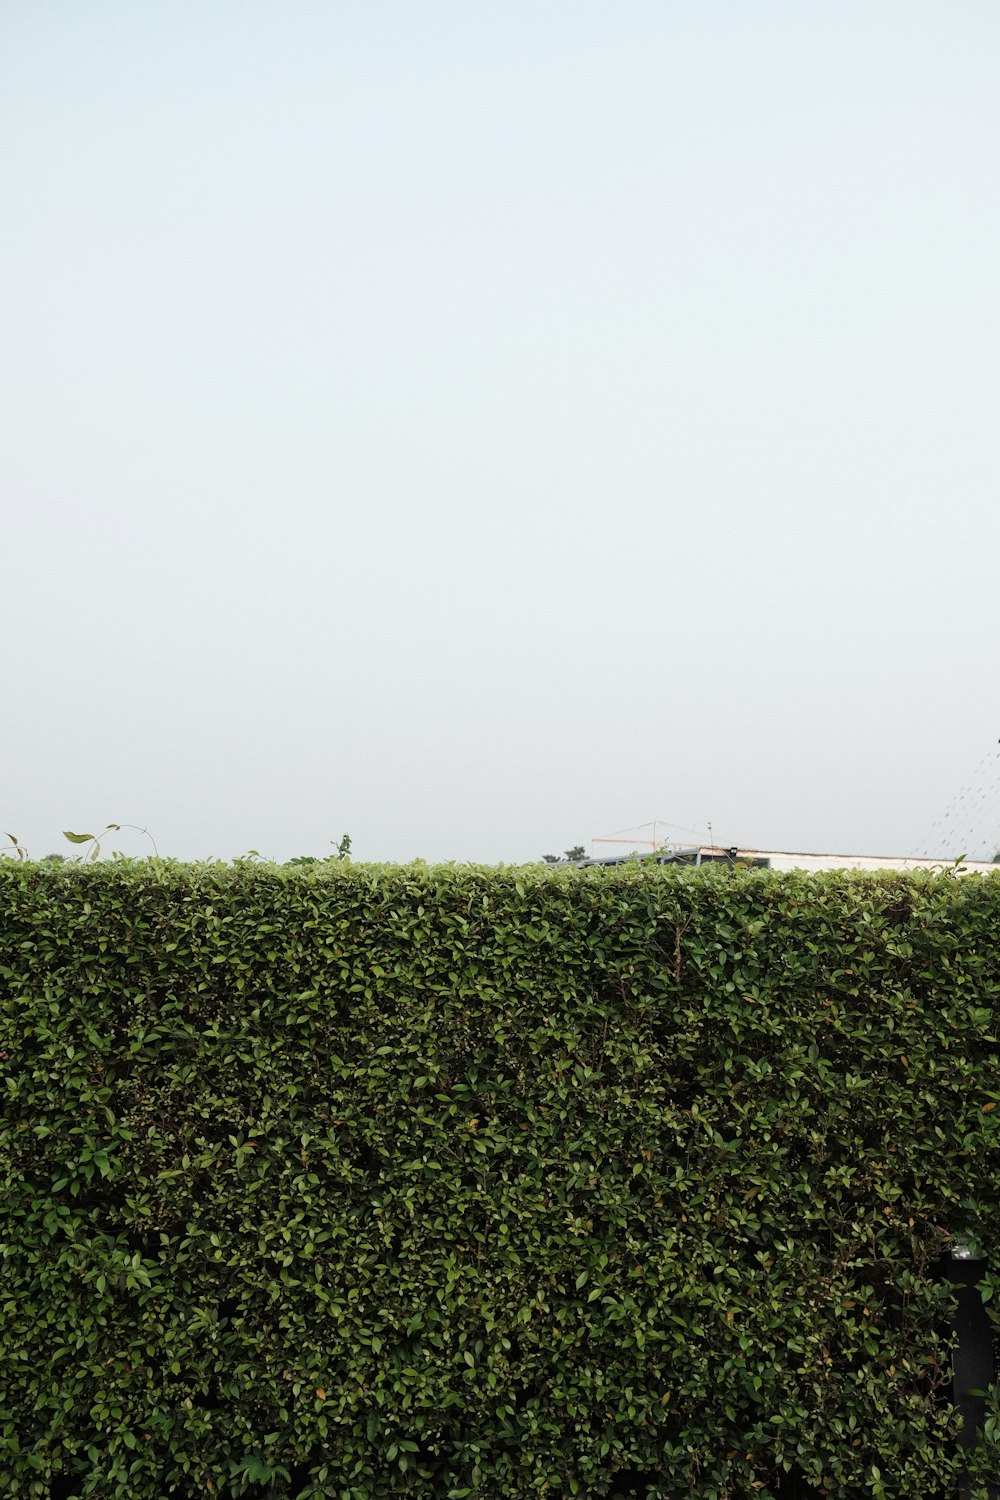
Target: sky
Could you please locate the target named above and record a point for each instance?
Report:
(481, 427)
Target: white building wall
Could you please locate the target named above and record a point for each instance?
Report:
(781, 859)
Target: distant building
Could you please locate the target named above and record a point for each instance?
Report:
(784, 859)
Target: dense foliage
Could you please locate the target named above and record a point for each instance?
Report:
(350, 1181)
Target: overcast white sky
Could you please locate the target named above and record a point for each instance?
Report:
(479, 426)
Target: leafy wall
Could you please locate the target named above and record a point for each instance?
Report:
(363, 1181)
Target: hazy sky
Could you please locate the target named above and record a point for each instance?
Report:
(482, 426)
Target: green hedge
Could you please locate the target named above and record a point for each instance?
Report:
(368, 1181)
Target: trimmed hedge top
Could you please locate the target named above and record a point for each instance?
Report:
(358, 1181)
